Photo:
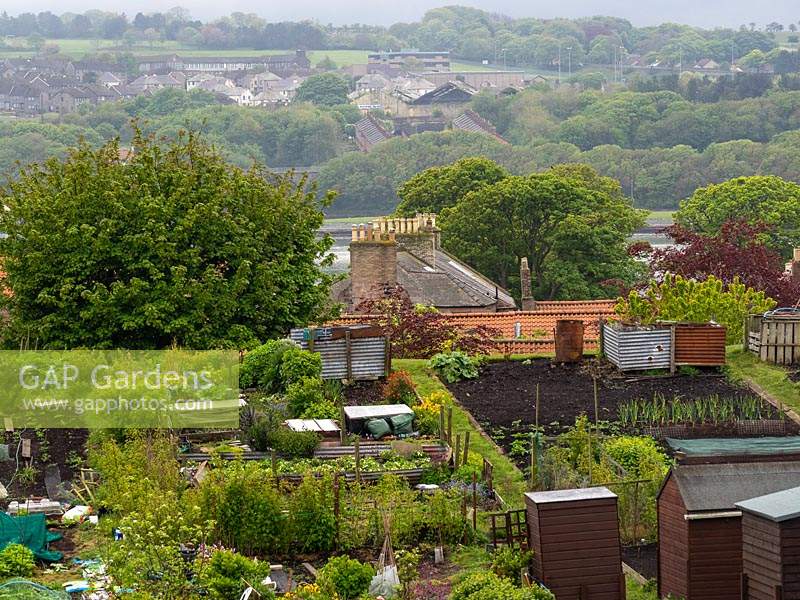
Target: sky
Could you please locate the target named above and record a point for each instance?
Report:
(702, 13)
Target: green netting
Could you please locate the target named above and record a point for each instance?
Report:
(22, 589)
(736, 446)
(30, 531)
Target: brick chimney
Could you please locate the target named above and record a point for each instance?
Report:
(419, 236)
(373, 261)
(528, 302)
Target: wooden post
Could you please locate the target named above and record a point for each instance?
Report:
(474, 502)
(358, 460)
(348, 354)
(450, 426)
(509, 537)
(672, 348)
(536, 422)
(442, 432)
(336, 501)
(341, 422)
(274, 464)
(466, 448)
(534, 474)
(457, 451)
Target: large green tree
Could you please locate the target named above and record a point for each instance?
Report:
(571, 229)
(437, 188)
(173, 247)
(325, 89)
(767, 199)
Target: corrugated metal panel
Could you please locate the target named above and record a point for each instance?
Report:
(637, 348)
(367, 356)
(701, 345)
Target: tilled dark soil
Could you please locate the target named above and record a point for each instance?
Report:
(63, 447)
(502, 398)
(505, 392)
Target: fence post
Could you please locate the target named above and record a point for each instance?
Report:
(336, 501)
(457, 452)
(348, 354)
(474, 502)
(274, 464)
(509, 537)
(466, 448)
(636, 511)
(450, 426)
(358, 461)
(442, 432)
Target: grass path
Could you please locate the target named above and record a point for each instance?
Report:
(508, 479)
(745, 367)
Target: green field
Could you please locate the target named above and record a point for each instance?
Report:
(660, 217)
(79, 48)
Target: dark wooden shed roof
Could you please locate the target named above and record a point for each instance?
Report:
(718, 487)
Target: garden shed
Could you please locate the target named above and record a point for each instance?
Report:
(574, 536)
(771, 546)
(700, 527)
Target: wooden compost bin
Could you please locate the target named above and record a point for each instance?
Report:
(771, 546)
(774, 337)
(574, 535)
(700, 527)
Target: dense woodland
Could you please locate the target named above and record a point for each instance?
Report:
(659, 145)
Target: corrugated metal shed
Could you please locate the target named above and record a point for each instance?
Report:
(574, 535)
(638, 347)
(351, 352)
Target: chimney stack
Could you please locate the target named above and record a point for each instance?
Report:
(528, 302)
(420, 236)
(373, 262)
(795, 265)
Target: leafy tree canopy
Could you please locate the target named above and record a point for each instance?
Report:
(437, 188)
(573, 233)
(766, 199)
(176, 247)
(325, 89)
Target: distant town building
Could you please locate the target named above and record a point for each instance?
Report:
(281, 64)
(471, 121)
(411, 60)
(478, 79)
(369, 132)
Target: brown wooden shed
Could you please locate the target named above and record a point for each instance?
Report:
(574, 535)
(700, 527)
(771, 546)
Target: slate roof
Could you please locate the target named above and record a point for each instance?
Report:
(779, 506)
(448, 284)
(370, 132)
(718, 487)
(452, 91)
(471, 121)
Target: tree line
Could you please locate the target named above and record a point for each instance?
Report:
(468, 33)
